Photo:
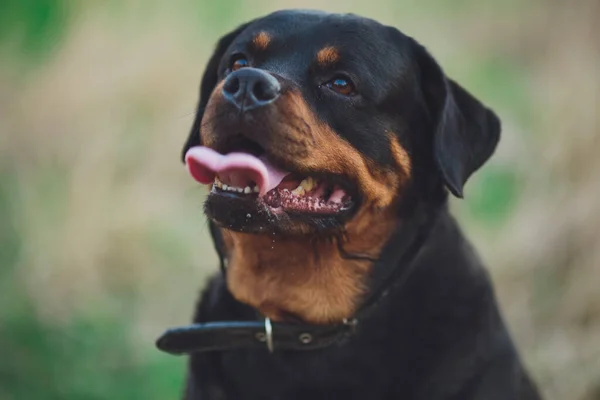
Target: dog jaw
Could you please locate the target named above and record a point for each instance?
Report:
(302, 277)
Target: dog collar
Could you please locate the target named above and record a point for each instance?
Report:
(232, 335)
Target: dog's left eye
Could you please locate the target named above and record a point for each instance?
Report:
(342, 86)
(238, 63)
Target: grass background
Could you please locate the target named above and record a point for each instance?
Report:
(102, 240)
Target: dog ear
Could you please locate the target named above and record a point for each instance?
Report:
(465, 131)
(208, 83)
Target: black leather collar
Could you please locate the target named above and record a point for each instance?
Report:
(231, 335)
(393, 268)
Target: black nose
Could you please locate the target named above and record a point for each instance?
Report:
(250, 88)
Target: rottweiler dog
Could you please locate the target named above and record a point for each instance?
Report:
(330, 144)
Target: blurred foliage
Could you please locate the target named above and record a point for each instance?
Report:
(35, 25)
(495, 195)
(100, 348)
(90, 358)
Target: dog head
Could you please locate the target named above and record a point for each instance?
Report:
(309, 121)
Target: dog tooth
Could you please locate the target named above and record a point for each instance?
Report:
(299, 191)
(224, 187)
(240, 190)
(308, 184)
(247, 190)
(256, 189)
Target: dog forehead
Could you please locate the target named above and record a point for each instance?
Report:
(299, 45)
(301, 31)
(297, 21)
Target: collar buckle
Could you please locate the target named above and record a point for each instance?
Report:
(267, 336)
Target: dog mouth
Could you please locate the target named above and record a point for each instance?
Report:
(293, 194)
(250, 174)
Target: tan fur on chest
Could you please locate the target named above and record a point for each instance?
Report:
(302, 277)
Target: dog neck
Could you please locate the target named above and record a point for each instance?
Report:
(312, 280)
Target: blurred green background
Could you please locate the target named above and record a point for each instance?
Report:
(102, 239)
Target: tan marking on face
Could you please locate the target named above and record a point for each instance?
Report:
(296, 275)
(209, 119)
(401, 156)
(330, 153)
(327, 56)
(299, 275)
(261, 41)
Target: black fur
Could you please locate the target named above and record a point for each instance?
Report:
(441, 335)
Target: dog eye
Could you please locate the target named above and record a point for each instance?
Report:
(239, 62)
(342, 86)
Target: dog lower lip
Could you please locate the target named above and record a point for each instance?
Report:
(275, 200)
(288, 201)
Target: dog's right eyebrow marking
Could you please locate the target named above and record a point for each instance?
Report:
(327, 56)
(261, 40)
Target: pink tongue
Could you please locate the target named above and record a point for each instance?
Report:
(205, 164)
